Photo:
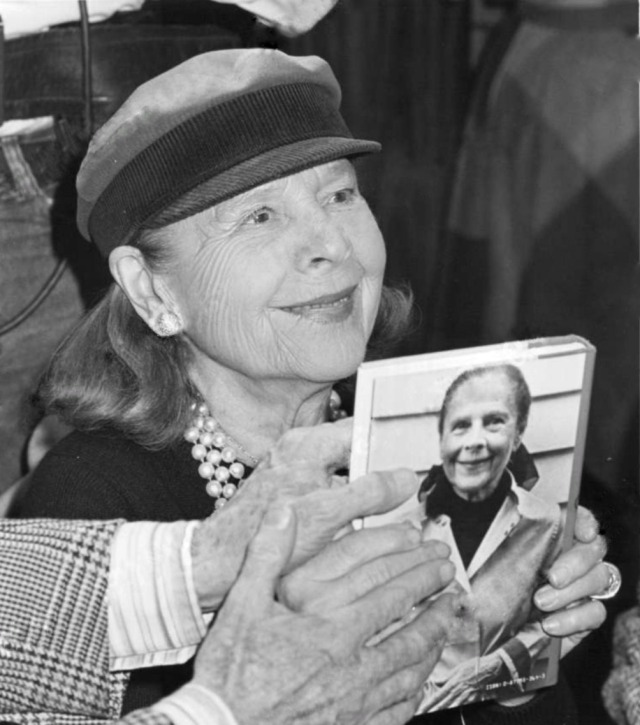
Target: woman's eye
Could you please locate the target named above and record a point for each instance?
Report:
(344, 196)
(495, 422)
(259, 216)
(460, 426)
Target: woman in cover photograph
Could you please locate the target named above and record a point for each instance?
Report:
(502, 536)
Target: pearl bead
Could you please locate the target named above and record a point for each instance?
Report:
(191, 434)
(219, 439)
(210, 447)
(199, 452)
(214, 456)
(222, 474)
(206, 470)
(228, 455)
(206, 439)
(214, 489)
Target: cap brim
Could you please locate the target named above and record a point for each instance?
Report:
(268, 166)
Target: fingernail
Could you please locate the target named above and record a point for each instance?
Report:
(412, 535)
(559, 576)
(545, 598)
(438, 548)
(278, 517)
(447, 571)
(551, 626)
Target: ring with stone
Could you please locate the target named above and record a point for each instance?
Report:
(615, 581)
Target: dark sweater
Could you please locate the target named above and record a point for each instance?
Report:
(101, 476)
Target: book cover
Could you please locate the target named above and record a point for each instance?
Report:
(496, 435)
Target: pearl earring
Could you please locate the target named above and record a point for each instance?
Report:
(168, 324)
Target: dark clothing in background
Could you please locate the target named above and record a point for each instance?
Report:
(543, 228)
(542, 239)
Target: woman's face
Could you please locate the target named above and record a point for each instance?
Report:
(479, 433)
(283, 281)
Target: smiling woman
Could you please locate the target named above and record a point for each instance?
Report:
(247, 281)
(503, 538)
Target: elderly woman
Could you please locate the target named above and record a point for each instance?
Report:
(503, 537)
(248, 277)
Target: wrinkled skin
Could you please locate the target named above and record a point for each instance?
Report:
(276, 666)
(349, 566)
(250, 278)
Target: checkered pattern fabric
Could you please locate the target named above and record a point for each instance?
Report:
(54, 664)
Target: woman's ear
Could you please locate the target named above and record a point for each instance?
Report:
(144, 290)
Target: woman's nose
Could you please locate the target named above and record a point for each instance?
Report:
(475, 437)
(322, 243)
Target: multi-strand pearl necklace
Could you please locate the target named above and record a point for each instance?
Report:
(222, 460)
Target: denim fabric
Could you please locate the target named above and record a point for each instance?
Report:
(36, 230)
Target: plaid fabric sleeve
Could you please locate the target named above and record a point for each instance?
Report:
(54, 649)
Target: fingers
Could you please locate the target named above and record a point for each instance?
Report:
(593, 582)
(586, 527)
(577, 562)
(377, 493)
(404, 661)
(325, 446)
(267, 555)
(421, 641)
(394, 600)
(397, 714)
(321, 514)
(576, 622)
(313, 588)
(590, 615)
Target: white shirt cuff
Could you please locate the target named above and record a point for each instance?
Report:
(195, 705)
(154, 616)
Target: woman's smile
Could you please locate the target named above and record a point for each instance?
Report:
(335, 307)
(474, 465)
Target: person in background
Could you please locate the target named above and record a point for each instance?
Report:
(248, 279)
(67, 66)
(58, 657)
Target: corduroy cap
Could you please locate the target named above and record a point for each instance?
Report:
(213, 127)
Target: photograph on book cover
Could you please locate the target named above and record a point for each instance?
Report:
(496, 435)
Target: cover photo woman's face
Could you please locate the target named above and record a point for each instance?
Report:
(479, 434)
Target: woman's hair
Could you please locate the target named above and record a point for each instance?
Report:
(521, 392)
(114, 372)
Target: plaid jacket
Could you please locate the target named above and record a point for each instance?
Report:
(54, 649)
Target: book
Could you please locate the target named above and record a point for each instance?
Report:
(496, 435)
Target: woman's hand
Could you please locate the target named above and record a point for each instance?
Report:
(301, 471)
(350, 567)
(575, 576)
